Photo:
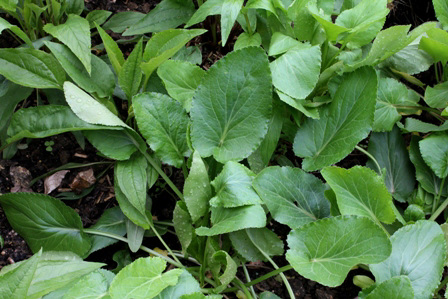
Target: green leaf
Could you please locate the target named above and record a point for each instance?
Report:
(15, 283)
(392, 95)
(111, 221)
(88, 109)
(98, 17)
(281, 43)
(246, 40)
(360, 191)
(390, 151)
(44, 121)
(45, 222)
(229, 273)
(436, 44)
(415, 125)
(342, 124)
(75, 34)
(434, 150)
(418, 252)
(398, 287)
(132, 179)
(191, 54)
(91, 286)
(74, 7)
(326, 250)
(114, 144)
(15, 29)
(423, 173)
(163, 45)
(120, 21)
(19, 66)
(113, 51)
(436, 96)
(228, 9)
(181, 79)
(143, 279)
(130, 75)
(101, 80)
(186, 284)
(254, 244)
(261, 4)
(134, 234)
(441, 9)
(197, 190)
(167, 14)
(232, 106)
(233, 187)
(299, 105)
(296, 72)
(183, 225)
(10, 95)
(163, 122)
(293, 196)
(226, 220)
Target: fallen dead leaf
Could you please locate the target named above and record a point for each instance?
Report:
(54, 181)
(21, 178)
(83, 180)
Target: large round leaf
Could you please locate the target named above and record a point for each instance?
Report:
(434, 151)
(326, 250)
(232, 106)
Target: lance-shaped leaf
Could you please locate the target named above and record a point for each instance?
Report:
(293, 196)
(296, 72)
(166, 15)
(233, 187)
(434, 150)
(232, 106)
(390, 151)
(130, 75)
(415, 125)
(45, 222)
(183, 225)
(163, 122)
(113, 51)
(197, 190)
(326, 250)
(143, 279)
(342, 124)
(15, 283)
(423, 173)
(134, 234)
(44, 121)
(94, 285)
(181, 80)
(418, 252)
(19, 66)
(88, 109)
(10, 95)
(360, 191)
(392, 95)
(132, 179)
(398, 287)
(120, 21)
(441, 9)
(15, 29)
(228, 9)
(254, 244)
(114, 144)
(101, 80)
(75, 34)
(226, 220)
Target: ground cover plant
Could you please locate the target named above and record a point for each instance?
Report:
(243, 145)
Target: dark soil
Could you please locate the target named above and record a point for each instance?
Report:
(35, 161)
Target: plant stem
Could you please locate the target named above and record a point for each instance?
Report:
(249, 28)
(441, 285)
(442, 207)
(242, 287)
(166, 223)
(255, 281)
(164, 244)
(398, 215)
(246, 273)
(285, 280)
(380, 170)
(184, 170)
(436, 70)
(144, 248)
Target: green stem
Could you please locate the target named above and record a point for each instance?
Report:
(436, 201)
(285, 280)
(164, 244)
(246, 273)
(184, 170)
(380, 170)
(242, 287)
(398, 215)
(144, 248)
(200, 2)
(436, 70)
(249, 28)
(166, 223)
(441, 285)
(253, 282)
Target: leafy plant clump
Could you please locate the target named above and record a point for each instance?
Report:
(307, 84)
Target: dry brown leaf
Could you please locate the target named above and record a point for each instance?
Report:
(54, 181)
(83, 180)
(21, 178)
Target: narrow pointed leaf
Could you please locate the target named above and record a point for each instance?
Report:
(163, 122)
(232, 106)
(342, 124)
(134, 234)
(114, 144)
(360, 191)
(75, 34)
(113, 51)
(183, 225)
(130, 75)
(293, 196)
(326, 250)
(421, 260)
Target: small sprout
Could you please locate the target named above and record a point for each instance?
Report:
(49, 145)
